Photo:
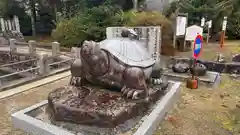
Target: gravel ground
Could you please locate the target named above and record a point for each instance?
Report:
(207, 111)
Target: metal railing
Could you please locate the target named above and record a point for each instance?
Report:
(35, 66)
(60, 62)
(44, 67)
(21, 43)
(16, 73)
(33, 45)
(17, 63)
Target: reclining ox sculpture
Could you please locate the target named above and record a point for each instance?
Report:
(121, 63)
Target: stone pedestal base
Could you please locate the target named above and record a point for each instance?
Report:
(91, 105)
(35, 119)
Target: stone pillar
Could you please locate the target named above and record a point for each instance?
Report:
(13, 47)
(109, 32)
(9, 24)
(2, 24)
(159, 40)
(6, 25)
(16, 21)
(76, 52)
(43, 64)
(55, 48)
(151, 47)
(32, 47)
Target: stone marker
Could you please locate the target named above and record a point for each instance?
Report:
(32, 47)
(13, 47)
(55, 48)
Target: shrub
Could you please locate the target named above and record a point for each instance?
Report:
(69, 32)
(233, 26)
(132, 18)
(89, 24)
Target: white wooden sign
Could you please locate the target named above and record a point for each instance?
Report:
(181, 23)
(192, 32)
(224, 26)
(202, 22)
(209, 23)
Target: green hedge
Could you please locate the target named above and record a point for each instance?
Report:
(89, 24)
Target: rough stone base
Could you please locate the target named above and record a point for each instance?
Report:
(30, 119)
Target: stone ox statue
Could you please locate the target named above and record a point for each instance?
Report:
(120, 62)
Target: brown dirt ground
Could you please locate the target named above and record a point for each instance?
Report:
(207, 111)
(21, 101)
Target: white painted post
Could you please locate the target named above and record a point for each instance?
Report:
(2, 24)
(16, 21)
(208, 32)
(13, 47)
(55, 48)
(43, 64)
(9, 24)
(32, 47)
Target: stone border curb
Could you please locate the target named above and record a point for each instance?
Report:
(149, 126)
(212, 77)
(34, 126)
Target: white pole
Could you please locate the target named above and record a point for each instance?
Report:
(2, 24)
(9, 24)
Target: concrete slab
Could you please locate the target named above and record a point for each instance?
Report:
(146, 125)
(210, 77)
